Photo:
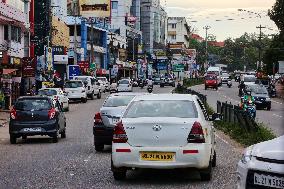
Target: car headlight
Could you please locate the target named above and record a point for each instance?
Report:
(247, 155)
(268, 99)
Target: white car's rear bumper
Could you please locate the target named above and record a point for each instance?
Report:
(124, 89)
(260, 167)
(77, 96)
(199, 160)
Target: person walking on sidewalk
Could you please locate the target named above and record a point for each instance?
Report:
(7, 95)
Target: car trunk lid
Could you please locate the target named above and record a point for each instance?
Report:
(111, 115)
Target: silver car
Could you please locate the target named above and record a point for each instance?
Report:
(109, 114)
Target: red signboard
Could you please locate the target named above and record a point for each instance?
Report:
(28, 67)
(84, 64)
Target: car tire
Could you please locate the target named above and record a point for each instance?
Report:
(55, 137)
(205, 88)
(206, 174)
(13, 139)
(269, 108)
(84, 100)
(92, 96)
(67, 109)
(214, 160)
(99, 147)
(63, 133)
(216, 88)
(99, 95)
(119, 175)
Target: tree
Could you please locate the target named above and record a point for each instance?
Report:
(277, 14)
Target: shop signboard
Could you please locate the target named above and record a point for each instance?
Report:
(28, 67)
(95, 8)
(84, 64)
(73, 70)
(178, 67)
(58, 50)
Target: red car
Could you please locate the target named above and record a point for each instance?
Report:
(211, 81)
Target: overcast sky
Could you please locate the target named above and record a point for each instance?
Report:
(230, 22)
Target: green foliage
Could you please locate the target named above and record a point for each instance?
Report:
(188, 82)
(277, 14)
(244, 137)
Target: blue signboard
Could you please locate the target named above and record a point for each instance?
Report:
(162, 66)
(73, 70)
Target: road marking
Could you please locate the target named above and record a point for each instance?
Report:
(277, 115)
(276, 102)
(223, 140)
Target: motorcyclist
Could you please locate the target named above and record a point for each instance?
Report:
(247, 100)
(150, 83)
(242, 87)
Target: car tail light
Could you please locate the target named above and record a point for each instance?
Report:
(13, 113)
(196, 134)
(119, 134)
(51, 113)
(98, 118)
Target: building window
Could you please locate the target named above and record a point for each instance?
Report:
(16, 34)
(174, 25)
(114, 5)
(6, 32)
(174, 37)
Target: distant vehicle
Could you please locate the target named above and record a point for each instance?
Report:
(229, 83)
(164, 131)
(125, 85)
(37, 115)
(167, 82)
(56, 94)
(249, 79)
(261, 96)
(102, 86)
(105, 82)
(261, 165)
(225, 77)
(91, 86)
(211, 81)
(157, 80)
(109, 114)
(75, 90)
(237, 77)
(217, 71)
(113, 88)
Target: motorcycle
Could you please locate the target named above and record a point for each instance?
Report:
(229, 84)
(251, 110)
(150, 88)
(272, 91)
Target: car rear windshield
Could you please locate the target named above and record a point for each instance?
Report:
(32, 104)
(210, 77)
(73, 84)
(258, 90)
(249, 79)
(162, 108)
(124, 82)
(47, 92)
(116, 101)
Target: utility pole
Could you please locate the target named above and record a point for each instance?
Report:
(75, 14)
(259, 48)
(206, 45)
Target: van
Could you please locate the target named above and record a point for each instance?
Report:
(216, 71)
(91, 85)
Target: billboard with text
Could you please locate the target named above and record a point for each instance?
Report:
(95, 8)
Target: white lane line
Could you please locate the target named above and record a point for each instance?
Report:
(277, 115)
(223, 140)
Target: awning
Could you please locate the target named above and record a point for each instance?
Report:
(8, 71)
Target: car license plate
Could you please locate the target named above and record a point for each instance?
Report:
(270, 181)
(115, 120)
(32, 129)
(157, 156)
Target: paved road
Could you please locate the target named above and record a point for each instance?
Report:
(73, 162)
(273, 119)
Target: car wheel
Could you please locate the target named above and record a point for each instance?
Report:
(13, 139)
(84, 100)
(55, 137)
(205, 88)
(269, 108)
(99, 95)
(206, 174)
(92, 96)
(67, 109)
(214, 161)
(119, 175)
(216, 88)
(99, 147)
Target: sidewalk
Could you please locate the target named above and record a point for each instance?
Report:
(4, 126)
(4, 118)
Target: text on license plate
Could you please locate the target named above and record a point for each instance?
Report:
(32, 129)
(157, 156)
(270, 181)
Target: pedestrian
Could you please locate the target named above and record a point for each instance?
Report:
(2, 99)
(7, 95)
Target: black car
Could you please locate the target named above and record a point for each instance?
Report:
(36, 115)
(167, 82)
(261, 96)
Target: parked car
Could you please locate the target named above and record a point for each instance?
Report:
(124, 85)
(167, 82)
(211, 81)
(261, 96)
(105, 82)
(91, 86)
(109, 114)
(75, 90)
(152, 135)
(36, 115)
(56, 94)
(261, 165)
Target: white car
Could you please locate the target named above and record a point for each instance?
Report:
(91, 86)
(75, 90)
(225, 77)
(56, 94)
(102, 86)
(248, 79)
(262, 165)
(164, 131)
(125, 85)
(104, 81)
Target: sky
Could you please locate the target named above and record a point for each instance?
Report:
(223, 16)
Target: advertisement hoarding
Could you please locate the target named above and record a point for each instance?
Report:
(94, 8)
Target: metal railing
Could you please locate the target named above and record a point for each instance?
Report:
(235, 115)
